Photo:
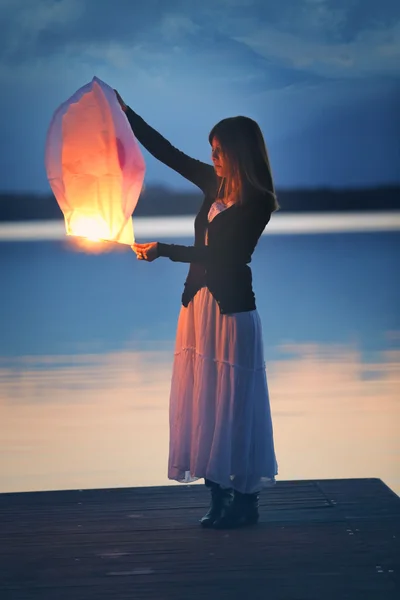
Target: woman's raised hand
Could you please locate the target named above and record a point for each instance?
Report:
(121, 102)
(147, 252)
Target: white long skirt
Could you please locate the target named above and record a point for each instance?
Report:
(220, 417)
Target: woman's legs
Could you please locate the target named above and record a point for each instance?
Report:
(242, 511)
(230, 510)
(220, 499)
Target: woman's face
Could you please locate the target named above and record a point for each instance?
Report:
(218, 158)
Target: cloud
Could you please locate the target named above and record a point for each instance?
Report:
(174, 27)
(55, 26)
(22, 24)
(370, 53)
(209, 58)
(321, 38)
(316, 37)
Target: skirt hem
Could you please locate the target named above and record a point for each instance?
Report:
(188, 478)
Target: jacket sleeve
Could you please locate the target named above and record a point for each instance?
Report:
(199, 173)
(185, 254)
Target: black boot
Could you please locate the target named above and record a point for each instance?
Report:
(220, 498)
(241, 512)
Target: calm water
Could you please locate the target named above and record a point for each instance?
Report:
(86, 344)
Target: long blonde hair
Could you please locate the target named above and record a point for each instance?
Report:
(246, 156)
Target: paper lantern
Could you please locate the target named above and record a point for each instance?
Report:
(94, 165)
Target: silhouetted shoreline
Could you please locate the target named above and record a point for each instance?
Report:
(163, 201)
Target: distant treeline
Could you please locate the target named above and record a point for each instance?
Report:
(160, 201)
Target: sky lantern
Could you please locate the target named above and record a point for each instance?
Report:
(94, 165)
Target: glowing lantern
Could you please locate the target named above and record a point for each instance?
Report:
(94, 165)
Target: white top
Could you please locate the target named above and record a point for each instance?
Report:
(217, 207)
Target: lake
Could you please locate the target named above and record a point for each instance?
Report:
(86, 348)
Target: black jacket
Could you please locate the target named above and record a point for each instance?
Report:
(222, 264)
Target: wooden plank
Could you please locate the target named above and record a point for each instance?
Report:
(316, 539)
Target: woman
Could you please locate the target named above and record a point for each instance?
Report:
(220, 420)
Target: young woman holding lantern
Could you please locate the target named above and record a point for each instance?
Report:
(220, 419)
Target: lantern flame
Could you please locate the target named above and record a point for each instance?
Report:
(92, 228)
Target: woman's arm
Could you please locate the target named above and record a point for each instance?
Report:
(199, 173)
(234, 243)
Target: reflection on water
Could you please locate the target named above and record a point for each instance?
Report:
(86, 345)
(102, 420)
(85, 421)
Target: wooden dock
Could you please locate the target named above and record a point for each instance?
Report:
(317, 540)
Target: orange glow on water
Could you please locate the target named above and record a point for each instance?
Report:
(334, 416)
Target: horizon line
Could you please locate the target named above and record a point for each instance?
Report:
(183, 226)
(278, 189)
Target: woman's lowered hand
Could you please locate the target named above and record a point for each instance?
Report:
(147, 252)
